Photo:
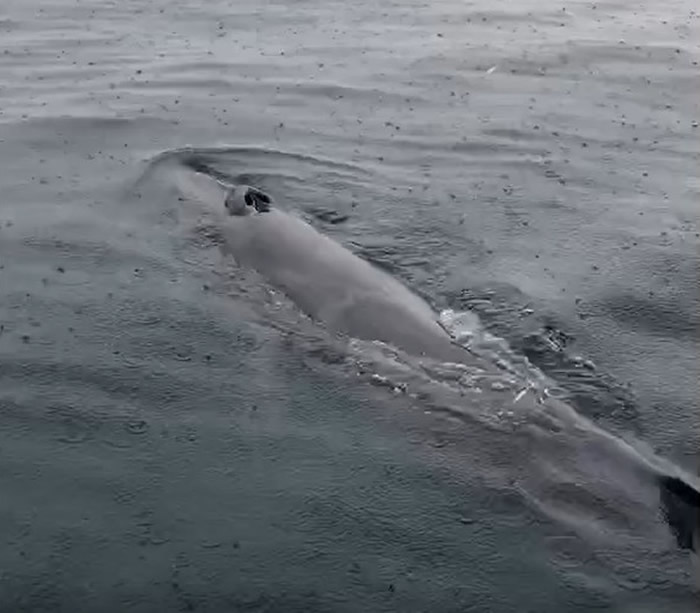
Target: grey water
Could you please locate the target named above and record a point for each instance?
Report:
(176, 436)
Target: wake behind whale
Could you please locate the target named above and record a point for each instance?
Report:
(349, 295)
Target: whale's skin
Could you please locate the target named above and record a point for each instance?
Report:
(333, 285)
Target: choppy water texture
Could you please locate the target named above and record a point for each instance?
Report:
(175, 435)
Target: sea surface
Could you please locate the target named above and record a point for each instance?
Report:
(176, 436)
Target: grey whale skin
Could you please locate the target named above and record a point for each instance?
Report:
(331, 284)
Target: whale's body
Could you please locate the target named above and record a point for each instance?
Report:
(349, 295)
(333, 285)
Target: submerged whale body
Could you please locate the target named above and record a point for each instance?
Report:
(349, 295)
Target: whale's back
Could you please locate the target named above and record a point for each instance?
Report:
(335, 286)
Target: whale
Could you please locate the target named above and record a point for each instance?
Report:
(349, 295)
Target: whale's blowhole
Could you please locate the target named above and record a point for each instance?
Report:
(244, 200)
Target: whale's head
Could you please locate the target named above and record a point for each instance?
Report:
(243, 200)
